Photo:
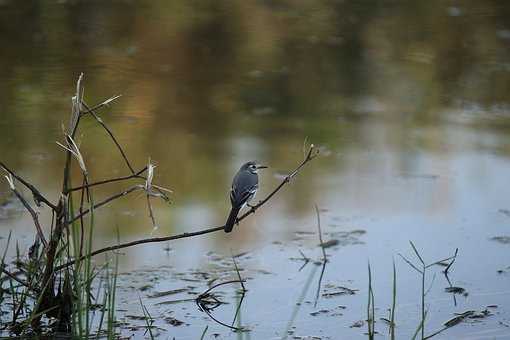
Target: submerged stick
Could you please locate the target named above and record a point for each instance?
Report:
(325, 260)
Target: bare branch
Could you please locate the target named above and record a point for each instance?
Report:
(99, 106)
(111, 180)
(311, 155)
(38, 197)
(18, 280)
(10, 180)
(320, 233)
(110, 133)
(410, 263)
(108, 200)
(325, 260)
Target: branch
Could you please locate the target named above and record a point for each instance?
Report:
(147, 187)
(101, 105)
(111, 180)
(29, 208)
(38, 197)
(21, 282)
(138, 242)
(320, 233)
(110, 133)
(312, 153)
(107, 200)
(73, 126)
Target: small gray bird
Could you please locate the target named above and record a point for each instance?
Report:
(244, 188)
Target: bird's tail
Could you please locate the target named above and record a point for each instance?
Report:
(231, 219)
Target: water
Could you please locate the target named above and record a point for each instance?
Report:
(408, 102)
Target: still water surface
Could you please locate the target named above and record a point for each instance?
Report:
(408, 102)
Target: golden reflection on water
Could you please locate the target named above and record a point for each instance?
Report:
(388, 90)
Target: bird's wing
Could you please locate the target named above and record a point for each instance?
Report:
(240, 197)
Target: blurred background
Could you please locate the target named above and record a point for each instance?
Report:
(390, 91)
(408, 101)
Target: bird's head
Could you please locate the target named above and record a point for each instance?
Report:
(252, 167)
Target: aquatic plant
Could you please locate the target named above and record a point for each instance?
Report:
(51, 288)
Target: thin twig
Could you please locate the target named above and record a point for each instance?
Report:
(323, 256)
(29, 208)
(452, 262)
(149, 192)
(99, 106)
(320, 233)
(38, 197)
(107, 200)
(138, 242)
(21, 282)
(200, 301)
(110, 133)
(319, 284)
(111, 180)
(220, 322)
(243, 291)
(237, 271)
(311, 155)
(304, 258)
(410, 263)
(218, 285)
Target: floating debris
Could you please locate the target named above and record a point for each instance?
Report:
(419, 176)
(481, 315)
(388, 322)
(459, 318)
(168, 292)
(455, 290)
(501, 239)
(505, 212)
(145, 287)
(341, 291)
(173, 321)
(357, 324)
(304, 232)
(137, 317)
(330, 243)
(322, 311)
(470, 314)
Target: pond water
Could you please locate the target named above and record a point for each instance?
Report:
(408, 102)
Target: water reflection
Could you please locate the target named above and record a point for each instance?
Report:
(409, 102)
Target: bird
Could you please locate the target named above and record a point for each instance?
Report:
(244, 188)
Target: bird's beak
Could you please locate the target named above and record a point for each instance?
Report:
(261, 167)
